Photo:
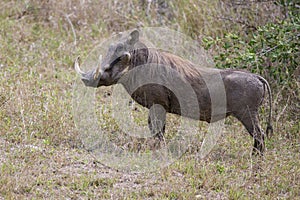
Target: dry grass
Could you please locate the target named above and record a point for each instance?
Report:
(41, 155)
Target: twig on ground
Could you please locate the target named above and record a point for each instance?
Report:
(72, 27)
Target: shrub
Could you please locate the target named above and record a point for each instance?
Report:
(272, 50)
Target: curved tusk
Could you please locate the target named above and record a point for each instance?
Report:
(76, 66)
(128, 55)
(97, 72)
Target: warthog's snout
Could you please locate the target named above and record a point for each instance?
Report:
(90, 78)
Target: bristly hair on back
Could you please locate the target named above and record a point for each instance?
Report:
(152, 57)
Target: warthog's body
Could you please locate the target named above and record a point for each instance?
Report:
(244, 91)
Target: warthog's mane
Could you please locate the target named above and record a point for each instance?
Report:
(160, 58)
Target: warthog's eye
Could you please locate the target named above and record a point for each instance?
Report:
(119, 49)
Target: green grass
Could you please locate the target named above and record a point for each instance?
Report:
(41, 154)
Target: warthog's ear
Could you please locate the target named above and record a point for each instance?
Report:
(133, 37)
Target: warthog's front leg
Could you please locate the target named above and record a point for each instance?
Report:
(157, 121)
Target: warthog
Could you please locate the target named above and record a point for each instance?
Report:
(244, 91)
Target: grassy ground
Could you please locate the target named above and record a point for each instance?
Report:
(41, 155)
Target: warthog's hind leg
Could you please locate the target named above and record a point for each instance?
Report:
(250, 120)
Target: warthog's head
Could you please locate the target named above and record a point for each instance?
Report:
(111, 68)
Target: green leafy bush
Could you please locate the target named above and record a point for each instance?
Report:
(272, 50)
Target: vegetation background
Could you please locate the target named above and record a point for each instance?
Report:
(41, 155)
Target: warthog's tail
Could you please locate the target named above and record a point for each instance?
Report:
(269, 124)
